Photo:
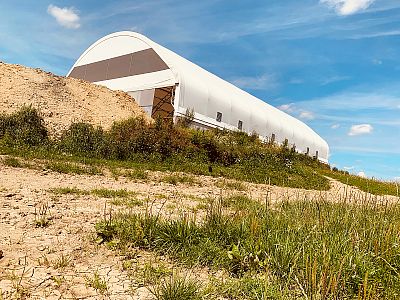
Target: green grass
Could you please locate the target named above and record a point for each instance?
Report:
(176, 287)
(129, 202)
(132, 174)
(315, 250)
(175, 179)
(13, 162)
(71, 168)
(231, 185)
(368, 185)
(109, 193)
(69, 190)
(240, 203)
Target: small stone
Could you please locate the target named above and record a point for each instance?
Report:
(1, 254)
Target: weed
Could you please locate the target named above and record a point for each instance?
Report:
(175, 287)
(239, 202)
(41, 215)
(108, 193)
(127, 264)
(13, 162)
(68, 190)
(247, 287)
(43, 261)
(231, 185)
(19, 290)
(175, 179)
(96, 282)
(68, 168)
(62, 262)
(58, 280)
(201, 206)
(128, 202)
(137, 174)
(154, 272)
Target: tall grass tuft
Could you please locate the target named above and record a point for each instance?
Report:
(176, 287)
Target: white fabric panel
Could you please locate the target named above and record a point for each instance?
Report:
(218, 101)
(112, 47)
(141, 82)
(240, 113)
(146, 97)
(196, 97)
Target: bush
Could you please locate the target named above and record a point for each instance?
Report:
(25, 127)
(84, 139)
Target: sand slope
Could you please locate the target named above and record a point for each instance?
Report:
(62, 100)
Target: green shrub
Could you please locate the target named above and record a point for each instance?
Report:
(24, 128)
(84, 139)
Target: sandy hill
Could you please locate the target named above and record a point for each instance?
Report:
(62, 100)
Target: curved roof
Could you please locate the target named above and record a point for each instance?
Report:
(199, 89)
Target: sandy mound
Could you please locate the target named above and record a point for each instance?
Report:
(61, 100)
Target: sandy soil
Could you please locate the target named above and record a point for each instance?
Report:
(63, 100)
(60, 260)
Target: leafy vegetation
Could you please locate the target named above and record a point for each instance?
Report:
(317, 250)
(25, 127)
(135, 144)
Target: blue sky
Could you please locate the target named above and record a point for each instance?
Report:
(335, 64)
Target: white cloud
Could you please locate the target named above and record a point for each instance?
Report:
(377, 62)
(334, 79)
(348, 7)
(306, 115)
(361, 174)
(263, 82)
(286, 107)
(66, 17)
(335, 126)
(397, 179)
(360, 129)
(348, 168)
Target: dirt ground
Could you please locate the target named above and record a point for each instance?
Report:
(63, 260)
(61, 100)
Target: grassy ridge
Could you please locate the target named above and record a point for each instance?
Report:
(315, 250)
(368, 185)
(161, 146)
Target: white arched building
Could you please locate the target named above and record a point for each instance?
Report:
(166, 84)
